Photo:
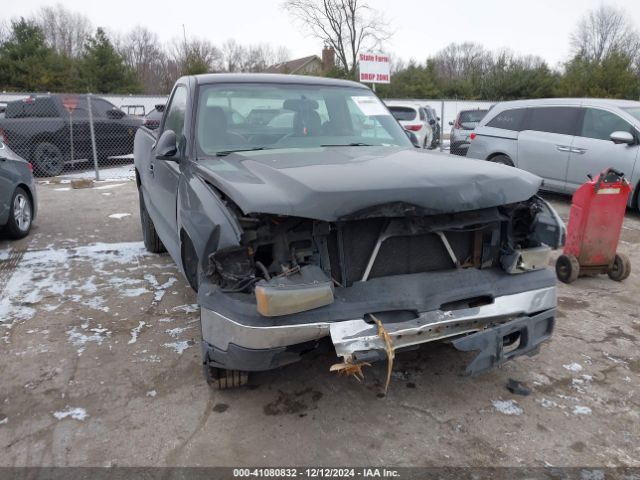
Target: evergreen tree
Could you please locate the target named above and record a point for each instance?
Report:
(103, 69)
(27, 64)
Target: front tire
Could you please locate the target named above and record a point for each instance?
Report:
(20, 214)
(222, 379)
(48, 160)
(150, 237)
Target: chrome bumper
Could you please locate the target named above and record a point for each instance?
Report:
(352, 336)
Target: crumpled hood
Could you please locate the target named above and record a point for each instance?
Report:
(333, 182)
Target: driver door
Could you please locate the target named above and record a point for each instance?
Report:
(592, 150)
(164, 174)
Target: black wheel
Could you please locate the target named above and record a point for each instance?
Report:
(567, 268)
(621, 268)
(150, 237)
(502, 160)
(48, 160)
(222, 379)
(20, 214)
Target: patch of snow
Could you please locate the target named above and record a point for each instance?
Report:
(80, 339)
(136, 331)
(192, 308)
(62, 189)
(547, 403)
(76, 413)
(4, 421)
(178, 347)
(105, 187)
(4, 255)
(581, 410)
(573, 367)
(166, 320)
(119, 216)
(507, 407)
(151, 393)
(176, 332)
(134, 292)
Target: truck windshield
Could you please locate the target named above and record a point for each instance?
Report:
(266, 116)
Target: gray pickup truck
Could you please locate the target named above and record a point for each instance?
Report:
(324, 224)
(52, 130)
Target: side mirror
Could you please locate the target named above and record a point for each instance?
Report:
(115, 114)
(451, 123)
(167, 146)
(622, 137)
(413, 138)
(438, 118)
(432, 122)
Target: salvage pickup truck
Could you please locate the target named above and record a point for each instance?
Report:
(52, 130)
(325, 224)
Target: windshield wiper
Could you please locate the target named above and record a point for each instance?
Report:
(354, 144)
(224, 153)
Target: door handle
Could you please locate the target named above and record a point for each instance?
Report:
(578, 150)
(563, 148)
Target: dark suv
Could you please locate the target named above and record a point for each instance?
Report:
(53, 130)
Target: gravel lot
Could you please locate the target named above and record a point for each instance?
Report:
(101, 366)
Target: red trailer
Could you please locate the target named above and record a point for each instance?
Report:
(593, 233)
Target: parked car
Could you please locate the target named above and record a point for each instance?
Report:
(18, 200)
(434, 121)
(40, 128)
(461, 129)
(338, 229)
(153, 118)
(414, 119)
(563, 140)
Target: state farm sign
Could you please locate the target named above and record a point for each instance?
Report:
(375, 68)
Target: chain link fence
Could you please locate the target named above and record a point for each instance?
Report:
(91, 136)
(76, 135)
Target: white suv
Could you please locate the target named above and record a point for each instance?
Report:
(414, 119)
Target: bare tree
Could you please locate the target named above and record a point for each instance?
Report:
(4, 31)
(603, 31)
(142, 51)
(251, 58)
(461, 60)
(64, 30)
(233, 56)
(195, 56)
(348, 26)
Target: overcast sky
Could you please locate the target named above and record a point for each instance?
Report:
(540, 27)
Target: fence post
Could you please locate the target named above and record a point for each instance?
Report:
(93, 139)
(442, 126)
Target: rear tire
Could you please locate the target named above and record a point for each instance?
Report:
(567, 268)
(150, 237)
(20, 214)
(621, 268)
(222, 379)
(48, 160)
(502, 160)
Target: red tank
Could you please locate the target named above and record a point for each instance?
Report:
(593, 233)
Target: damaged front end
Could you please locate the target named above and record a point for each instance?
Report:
(478, 278)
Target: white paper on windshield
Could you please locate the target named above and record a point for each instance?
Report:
(370, 106)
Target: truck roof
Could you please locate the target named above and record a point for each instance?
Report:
(210, 78)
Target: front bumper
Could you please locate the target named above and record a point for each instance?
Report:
(243, 344)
